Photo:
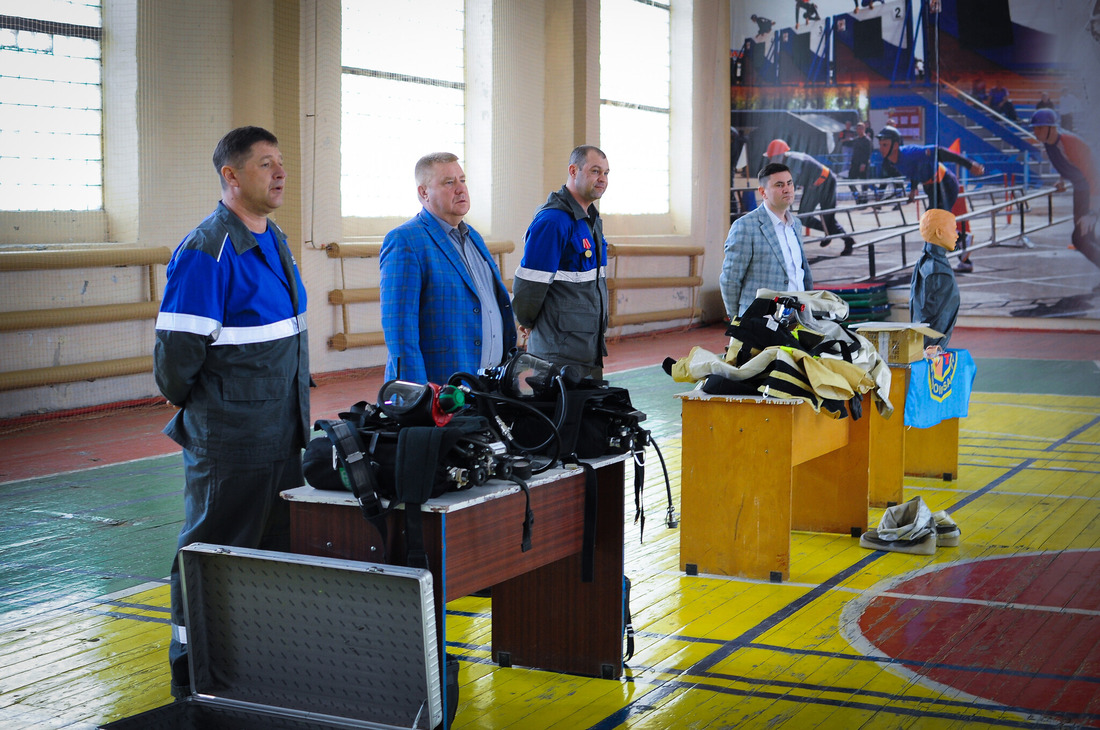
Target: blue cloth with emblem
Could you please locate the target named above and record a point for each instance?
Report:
(939, 389)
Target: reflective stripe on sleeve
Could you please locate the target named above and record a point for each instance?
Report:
(578, 277)
(190, 323)
(262, 333)
(541, 277)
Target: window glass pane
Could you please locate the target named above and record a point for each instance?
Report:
(377, 113)
(634, 52)
(50, 105)
(77, 47)
(634, 104)
(403, 79)
(78, 12)
(395, 36)
(637, 153)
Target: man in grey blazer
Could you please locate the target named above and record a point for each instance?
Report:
(764, 247)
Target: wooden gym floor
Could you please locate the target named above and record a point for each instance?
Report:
(1000, 632)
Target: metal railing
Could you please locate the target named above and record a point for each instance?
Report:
(83, 257)
(344, 296)
(1019, 204)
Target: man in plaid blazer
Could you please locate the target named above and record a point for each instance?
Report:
(444, 305)
(764, 247)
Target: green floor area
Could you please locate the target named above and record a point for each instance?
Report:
(1053, 377)
(85, 534)
(653, 391)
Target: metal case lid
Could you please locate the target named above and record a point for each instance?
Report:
(312, 637)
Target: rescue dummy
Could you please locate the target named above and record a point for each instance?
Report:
(934, 293)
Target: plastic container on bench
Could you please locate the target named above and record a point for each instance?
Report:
(866, 300)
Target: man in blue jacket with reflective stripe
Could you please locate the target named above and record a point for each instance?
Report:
(231, 353)
(560, 289)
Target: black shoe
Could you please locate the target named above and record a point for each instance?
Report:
(826, 242)
(849, 244)
(964, 267)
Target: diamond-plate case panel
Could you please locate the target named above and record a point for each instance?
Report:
(198, 715)
(315, 635)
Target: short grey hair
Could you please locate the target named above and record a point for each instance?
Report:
(427, 163)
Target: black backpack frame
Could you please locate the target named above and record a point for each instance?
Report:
(376, 458)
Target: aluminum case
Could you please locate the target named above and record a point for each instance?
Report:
(281, 640)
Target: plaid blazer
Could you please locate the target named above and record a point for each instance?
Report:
(754, 260)
(430, 310)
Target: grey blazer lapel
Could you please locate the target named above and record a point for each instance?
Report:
(768, 231)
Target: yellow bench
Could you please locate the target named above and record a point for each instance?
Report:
(754, 469)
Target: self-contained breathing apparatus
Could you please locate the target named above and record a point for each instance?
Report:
(522, 417)
(548, 409)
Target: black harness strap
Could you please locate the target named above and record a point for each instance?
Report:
(628, 627)
(528, 515)
(353, 457)
(637, 452)
(418, 450)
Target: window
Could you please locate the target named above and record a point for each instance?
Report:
(634, 104)
(403, 78)
(51, 110)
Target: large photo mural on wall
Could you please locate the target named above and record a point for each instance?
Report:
(1000, 94)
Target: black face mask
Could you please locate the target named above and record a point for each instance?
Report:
(526, 376)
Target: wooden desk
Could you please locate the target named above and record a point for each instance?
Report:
(756, 468)
(543, 615)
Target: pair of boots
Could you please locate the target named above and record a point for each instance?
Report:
(912, 528)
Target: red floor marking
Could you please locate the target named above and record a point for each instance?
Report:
(1018, 642)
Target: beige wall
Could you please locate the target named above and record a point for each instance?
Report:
(182, 73)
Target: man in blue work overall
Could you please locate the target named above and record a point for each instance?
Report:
(560, 287)
(232, 354)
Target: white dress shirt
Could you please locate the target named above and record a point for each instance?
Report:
(792, 252)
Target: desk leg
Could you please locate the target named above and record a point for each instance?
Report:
(887, 444)
(549, 619)
(735, 489)
(933, 452)
(829, 493)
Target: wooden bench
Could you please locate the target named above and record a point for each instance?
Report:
(755, 468)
